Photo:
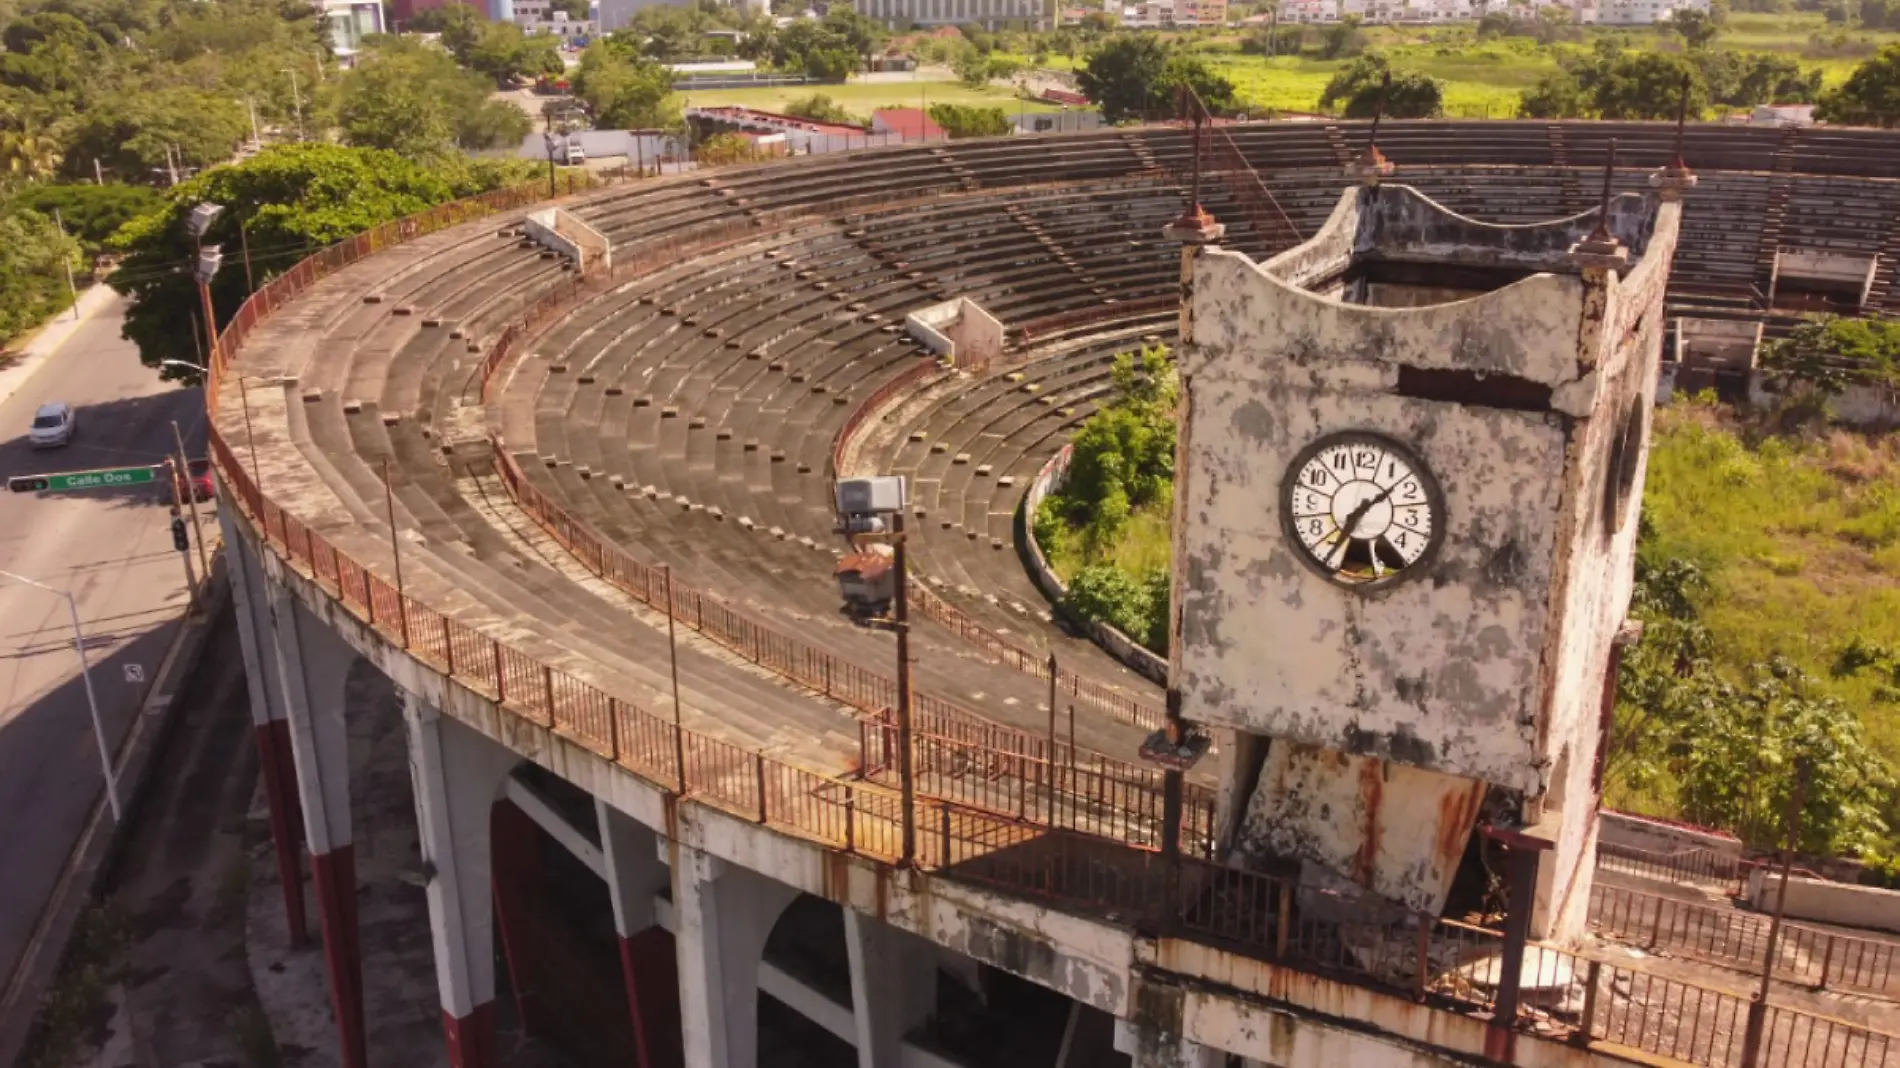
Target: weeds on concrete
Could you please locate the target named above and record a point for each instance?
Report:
(255, 1041)
(77, 998)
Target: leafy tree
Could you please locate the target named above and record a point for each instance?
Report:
(820, 108)
(1556, 96)
(90, 213)
(962, 120)
(1123, 457)
(626, 93)
(1827, 354)
(576, 10)
(292, 200)
(1495, 24)
(1358, 87)
(723, 149)
(1732, 750)
(1743, 79)
(827, 49)
(1696, 28)
(1647, 85)
(1135, 605)
(862, 34)
(972, 68)
(414, 100)
(830, 64)
(503, 52)
(460, 25)
(1342, 38)
(1737, 753)
(1869, 97)
(29, 148)
(450, 20)
(34, 259)
(1134, 75)
(132, 136)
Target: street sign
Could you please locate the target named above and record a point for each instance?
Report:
(135, 672)
(68, 481)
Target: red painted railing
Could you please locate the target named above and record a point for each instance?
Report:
(1249, 912)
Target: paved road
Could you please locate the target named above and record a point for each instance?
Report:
(113, 550)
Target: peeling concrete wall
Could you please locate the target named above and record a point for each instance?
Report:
(1365, 818)
(1445, 672)
(1597, 556)
(1439, 672)
(1529, 402)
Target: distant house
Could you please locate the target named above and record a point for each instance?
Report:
(908, 124)
(1036, 122)
(1782, 115)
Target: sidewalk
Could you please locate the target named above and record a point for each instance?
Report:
(26, 358)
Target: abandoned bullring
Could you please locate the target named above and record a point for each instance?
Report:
(562, 482)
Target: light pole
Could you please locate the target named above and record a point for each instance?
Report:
(92, 699)
(296, 99)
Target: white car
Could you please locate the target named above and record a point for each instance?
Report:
(53, 425)
(576, 155)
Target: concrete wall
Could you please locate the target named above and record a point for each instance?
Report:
(958, 329)
(544, 227)
(1446, 673)
(1840, 903)
(1654, 836)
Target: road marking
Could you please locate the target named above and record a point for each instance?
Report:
(135, 672)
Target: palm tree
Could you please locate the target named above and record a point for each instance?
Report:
(28, 149)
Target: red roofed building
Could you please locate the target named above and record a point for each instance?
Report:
(911, 124)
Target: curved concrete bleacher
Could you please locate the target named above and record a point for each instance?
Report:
(687, 412)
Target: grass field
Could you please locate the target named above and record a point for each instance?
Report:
(1801, 542)
(1485, 79)
(860, 99)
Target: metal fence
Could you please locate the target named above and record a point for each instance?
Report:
(1806, 955)
(1437, 961)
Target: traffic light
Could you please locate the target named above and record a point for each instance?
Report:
(180, 540)
(28, 484)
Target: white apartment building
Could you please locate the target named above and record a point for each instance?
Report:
(538, 16)
(988, 13)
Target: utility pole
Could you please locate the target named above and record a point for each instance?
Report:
(244, 242)
(191, 498)
(98, 172)
(296, 100)
(92, 698)
(1758, 1008)
(67, 261)
(906, 783)
(256, 138)
(180, 539)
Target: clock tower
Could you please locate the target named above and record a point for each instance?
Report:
(1411, 455)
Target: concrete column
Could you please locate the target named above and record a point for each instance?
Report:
(268, 718)
(313, 664)
(893, 987)
(722, 916)
(458, 773)
(1149, 1046)
(635, 875)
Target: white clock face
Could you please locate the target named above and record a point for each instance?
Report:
(1362, 509)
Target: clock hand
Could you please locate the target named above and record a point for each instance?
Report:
(1352, 521)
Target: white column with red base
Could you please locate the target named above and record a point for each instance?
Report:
(893, 986)
(313, 664)
(458, 775)
(722, 915)
(269, 718)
